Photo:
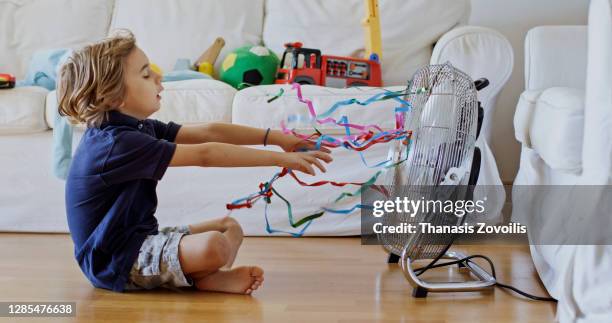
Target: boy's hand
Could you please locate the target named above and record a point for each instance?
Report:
(303, 161)
(290, 144)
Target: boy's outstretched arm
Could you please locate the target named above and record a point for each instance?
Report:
(227, 155)
(239, 135)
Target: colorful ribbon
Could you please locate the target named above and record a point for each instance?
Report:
(358, 142)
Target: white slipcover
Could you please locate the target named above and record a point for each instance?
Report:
(184, 102)
(557, 128)
(577, 275)
(27, 26)
(169, 30)
(335, 28)
(22, 110)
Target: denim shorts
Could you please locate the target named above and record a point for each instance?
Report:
(158, 263)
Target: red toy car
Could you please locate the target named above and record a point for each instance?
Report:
(308, 66)
(7, 81)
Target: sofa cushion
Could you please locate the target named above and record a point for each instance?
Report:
(184, 102)
(196, 101)
(409, 29)
(22, 110)
(27, 26)
(557, 129)
(251, 107)
(169, 30)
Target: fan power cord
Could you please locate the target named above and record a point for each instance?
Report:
(433, 264)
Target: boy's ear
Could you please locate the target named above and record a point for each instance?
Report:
(117, 104)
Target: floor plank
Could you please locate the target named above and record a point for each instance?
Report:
(306, 280)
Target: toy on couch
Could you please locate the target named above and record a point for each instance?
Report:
(308, 66)
(249, 65)
(201, 69)
(206, 62)
(156, 69)
(371, 24)
(7, 81)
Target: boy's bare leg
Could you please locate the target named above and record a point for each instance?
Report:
(202, 255)
(229, 227)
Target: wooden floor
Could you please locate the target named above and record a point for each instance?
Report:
(307, 280)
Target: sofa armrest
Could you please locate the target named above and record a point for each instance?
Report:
(551, 122)
(523, 116)
(557, 127)
(556, 56)
(479, 52)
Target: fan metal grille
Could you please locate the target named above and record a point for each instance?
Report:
(443, 120)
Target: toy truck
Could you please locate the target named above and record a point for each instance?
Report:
(7, 81)
(307, 66)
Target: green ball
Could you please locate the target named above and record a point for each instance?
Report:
(249, 65)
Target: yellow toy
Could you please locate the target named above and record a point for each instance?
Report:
(206, 62)
(156, 69)
(371, 25)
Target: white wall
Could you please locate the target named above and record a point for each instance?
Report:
(514, 18)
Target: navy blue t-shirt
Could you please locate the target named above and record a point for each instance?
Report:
(110, 194)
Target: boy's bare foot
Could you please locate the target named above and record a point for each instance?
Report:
(240, 280)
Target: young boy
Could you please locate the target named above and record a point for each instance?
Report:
(110, 190)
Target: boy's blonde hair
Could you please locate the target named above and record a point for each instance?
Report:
(91, 82)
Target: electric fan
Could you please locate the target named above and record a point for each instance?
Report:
(439, 162)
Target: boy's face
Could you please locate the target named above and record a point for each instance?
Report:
(142, 86)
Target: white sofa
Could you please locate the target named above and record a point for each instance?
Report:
(564, 123)
(415, 33)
